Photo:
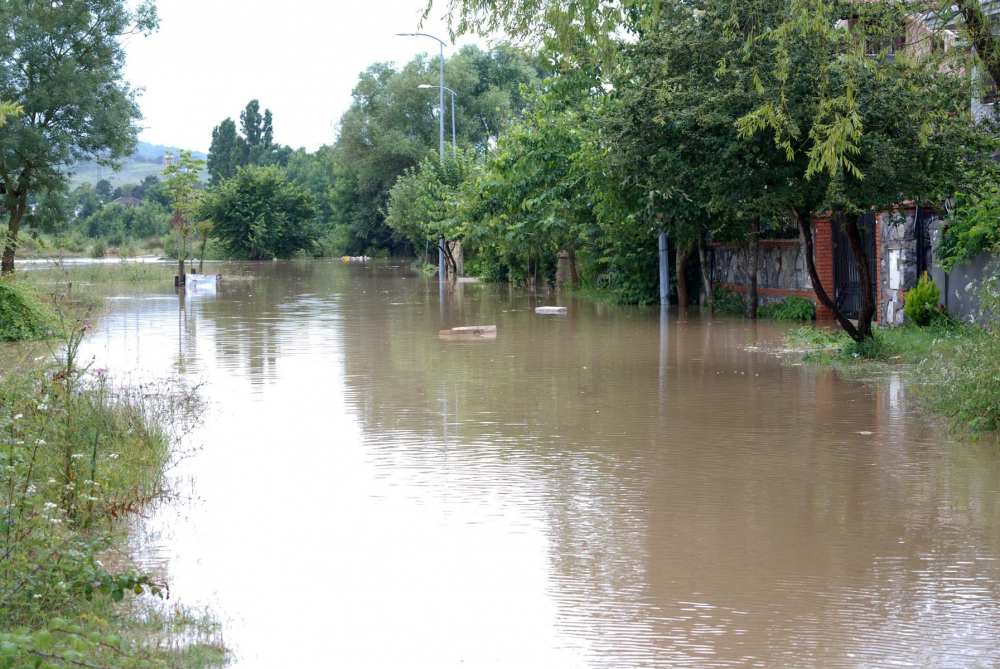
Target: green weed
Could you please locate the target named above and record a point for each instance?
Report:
(23, 317)
(79, 458)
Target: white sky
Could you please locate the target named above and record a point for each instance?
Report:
(300, 58)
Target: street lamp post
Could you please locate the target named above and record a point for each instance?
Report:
(454, 150)
(441, 267)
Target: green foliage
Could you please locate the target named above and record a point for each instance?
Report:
(99, 249)
(63, 63)
(9, 108)
(181, 183)
(22, 316)
(811, 338)
(423, 268)
(728, 301)
(424, 203)
(230, 151)
(79, 458)
(921, 304)
(259, 215)
(788, 309)
(392, 126)
(973, 226)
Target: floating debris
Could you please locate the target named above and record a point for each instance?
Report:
(470, 332)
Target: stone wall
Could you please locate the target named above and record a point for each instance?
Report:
(898, 261)
(781, 269)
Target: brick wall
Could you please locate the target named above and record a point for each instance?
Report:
(823, 253)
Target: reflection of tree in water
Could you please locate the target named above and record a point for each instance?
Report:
(707, 502)
(259, 318)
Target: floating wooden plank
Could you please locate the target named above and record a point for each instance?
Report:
(554, 311)
(470, 332)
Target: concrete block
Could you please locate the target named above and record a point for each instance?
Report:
(470, 332)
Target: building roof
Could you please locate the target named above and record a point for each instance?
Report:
(127, 200)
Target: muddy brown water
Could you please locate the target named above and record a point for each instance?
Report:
(611, 488)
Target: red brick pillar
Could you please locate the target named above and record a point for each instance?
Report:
(878, 270)
(823, 251)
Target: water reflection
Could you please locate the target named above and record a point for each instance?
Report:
(616, 487)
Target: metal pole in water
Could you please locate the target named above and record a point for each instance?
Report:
(664, 271)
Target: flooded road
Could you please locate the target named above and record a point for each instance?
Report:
(604, 489)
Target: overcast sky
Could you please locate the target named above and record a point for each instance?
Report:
(300, 58)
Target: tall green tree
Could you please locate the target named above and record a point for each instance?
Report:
(392, 126)
(63, 63)
(224, 152)
(259, 215)
(230, 151)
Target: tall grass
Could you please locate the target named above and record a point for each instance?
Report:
(100, 274)
(79, 458)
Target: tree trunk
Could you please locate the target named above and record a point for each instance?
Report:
(706, 277)
(753, 258)
(682, 253)
(867, 314)
(574, 278)
(10, 248)
(805, 227)
(449, 259)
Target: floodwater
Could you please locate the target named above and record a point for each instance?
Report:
(604, 489)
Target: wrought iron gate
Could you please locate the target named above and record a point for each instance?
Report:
(847, 278)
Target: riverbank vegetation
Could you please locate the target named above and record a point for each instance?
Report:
(666, 118)
(953, 366)
(663, 119)
(80, 459)
(23, 317)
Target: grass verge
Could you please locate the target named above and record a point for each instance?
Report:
(953, 368)
(79, 459)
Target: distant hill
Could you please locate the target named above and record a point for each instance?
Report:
(147, 159)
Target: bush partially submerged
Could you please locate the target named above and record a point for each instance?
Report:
(789, 309)
(792, 308)
(22, 316)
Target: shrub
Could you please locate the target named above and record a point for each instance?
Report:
(424, 268)
(22, 317)
(728, 301)
(921, 304)
(259, 214)
(99, 249)
(789, 309)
